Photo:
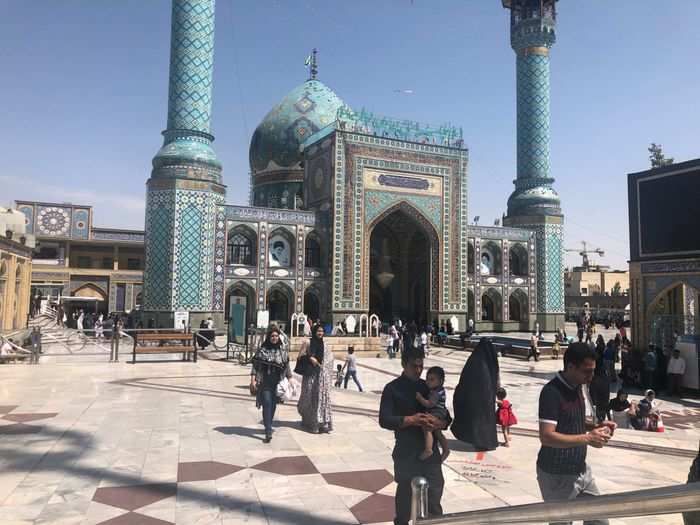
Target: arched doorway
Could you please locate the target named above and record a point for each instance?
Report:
(673, 312)
(279, 303)
(312, 306)
(491, 306)
(245, 291)
(517, 306)
(401, 254)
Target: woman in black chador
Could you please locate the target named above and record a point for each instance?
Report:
(475, 397)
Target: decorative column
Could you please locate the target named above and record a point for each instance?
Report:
(185, 188)
(534, 204)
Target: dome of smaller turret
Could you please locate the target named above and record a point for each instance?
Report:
(305, 110)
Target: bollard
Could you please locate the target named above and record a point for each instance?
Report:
(419, 499)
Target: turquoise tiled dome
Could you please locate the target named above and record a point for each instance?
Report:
(306, 109)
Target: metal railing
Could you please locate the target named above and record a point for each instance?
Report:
(17, 351)
(674, 499)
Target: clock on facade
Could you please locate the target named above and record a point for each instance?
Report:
(53, 221)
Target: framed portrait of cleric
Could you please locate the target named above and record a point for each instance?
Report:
(279, 253)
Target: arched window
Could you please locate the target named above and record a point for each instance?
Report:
(240, 249)
(491, 306)
(312, 253)
(518, 260)
(490, 263)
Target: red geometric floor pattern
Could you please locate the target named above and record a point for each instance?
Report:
(373, 509)
(19, 426)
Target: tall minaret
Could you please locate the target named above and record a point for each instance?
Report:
(534, 204)
(185, 188)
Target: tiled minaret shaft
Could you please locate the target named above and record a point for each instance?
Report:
(535, 204)
(185, 189)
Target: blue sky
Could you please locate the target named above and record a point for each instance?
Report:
(84, 93)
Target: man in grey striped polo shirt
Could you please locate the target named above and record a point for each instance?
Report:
(562, 473)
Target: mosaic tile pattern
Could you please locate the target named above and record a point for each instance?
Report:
(378, 201)
(302, 112)
(158, 250)
(219, 259)
(191, 65)
(549, 241)
(533, 116)
(81, 224)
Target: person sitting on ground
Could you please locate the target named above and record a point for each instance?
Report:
(436, 405)
(6, 348)
(620, 409)
(648, 413)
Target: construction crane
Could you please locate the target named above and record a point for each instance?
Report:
(584, 254)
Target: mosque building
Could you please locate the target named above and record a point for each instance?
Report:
(351, 212)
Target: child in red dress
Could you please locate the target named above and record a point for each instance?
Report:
(504, 414)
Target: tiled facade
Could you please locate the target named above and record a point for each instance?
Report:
(73, 258)
(349, 171)
(664, 285)
(535, 204)
(185, 189)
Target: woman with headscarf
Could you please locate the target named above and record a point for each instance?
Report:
(270, 365)
(475, 397)
(600, 393)
(314, 405)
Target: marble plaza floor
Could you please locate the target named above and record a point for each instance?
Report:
(88, 442)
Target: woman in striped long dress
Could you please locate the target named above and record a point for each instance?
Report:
(314, 405)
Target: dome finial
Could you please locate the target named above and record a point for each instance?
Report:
(312, 65)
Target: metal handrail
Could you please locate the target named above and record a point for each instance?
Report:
(673, 499)
(18, 349)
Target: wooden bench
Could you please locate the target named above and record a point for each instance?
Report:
(160, 343)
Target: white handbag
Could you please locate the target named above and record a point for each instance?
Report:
(286, 389)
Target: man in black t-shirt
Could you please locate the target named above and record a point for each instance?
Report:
(562, 473)
(401, 412)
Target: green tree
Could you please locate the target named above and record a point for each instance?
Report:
(616, 289)
(656, 156)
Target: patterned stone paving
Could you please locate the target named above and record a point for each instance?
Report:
(95, 444)
(18, 425)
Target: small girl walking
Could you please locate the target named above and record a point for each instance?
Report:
(504, 414)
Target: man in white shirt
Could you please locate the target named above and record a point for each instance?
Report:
(676, 370)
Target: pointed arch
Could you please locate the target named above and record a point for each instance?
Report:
(241, 245)
(491, 305)
(432, 236)
(312, 250)
(279, 302)
(517, 260)
(313, 304)
(518, 306)
(491, 262)
(91, 291)
(281, 248)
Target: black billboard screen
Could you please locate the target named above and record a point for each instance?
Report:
(669, 214)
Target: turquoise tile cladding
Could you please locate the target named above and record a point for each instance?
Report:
(191, 65)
